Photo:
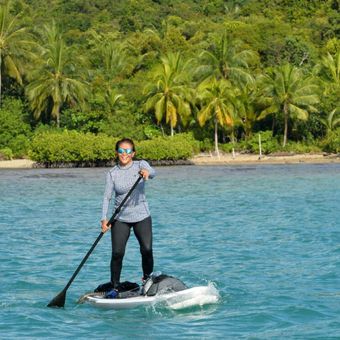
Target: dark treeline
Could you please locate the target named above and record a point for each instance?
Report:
(222, 71)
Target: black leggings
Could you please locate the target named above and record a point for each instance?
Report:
(120, 233)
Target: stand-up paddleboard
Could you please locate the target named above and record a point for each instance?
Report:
(161, 289)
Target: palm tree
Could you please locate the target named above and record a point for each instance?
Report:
(168, 94)
(217, 100)
(56, 80)
(330, 68)
(329, 74)
(246, 98)
(111, 55)
(232, 8)
(332, 121)
(112, 63)
(289, 92)
(14, 41)
(227, 60)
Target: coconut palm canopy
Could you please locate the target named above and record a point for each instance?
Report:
(219, 71)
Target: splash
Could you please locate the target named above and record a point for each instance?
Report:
(197, 296)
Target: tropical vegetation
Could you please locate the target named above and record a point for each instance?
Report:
(208, 75)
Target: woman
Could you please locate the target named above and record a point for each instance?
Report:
(134, 213)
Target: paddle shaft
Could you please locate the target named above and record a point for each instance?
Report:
(101, 234)
(110, 222)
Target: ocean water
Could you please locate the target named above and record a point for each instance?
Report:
(267, 237)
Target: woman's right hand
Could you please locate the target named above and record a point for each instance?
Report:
(105, 226)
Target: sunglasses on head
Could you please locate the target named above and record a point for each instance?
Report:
(127, 151)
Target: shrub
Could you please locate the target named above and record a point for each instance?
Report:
(71, 146)
(19, 145)
(228, 147)
(189, 138)
(332, 142)
(301, 148)
(206, 145)
(121, 124)
(269, 144)
(151, 132)
(6, 154)
(14, 131)
(181, 146)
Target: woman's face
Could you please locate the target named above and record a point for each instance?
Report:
(125, 153)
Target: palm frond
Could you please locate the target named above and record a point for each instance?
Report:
(298, 112)
(204, 114)
(160, 109)
(269, 110)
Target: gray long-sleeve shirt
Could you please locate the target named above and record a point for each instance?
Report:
(120, 180)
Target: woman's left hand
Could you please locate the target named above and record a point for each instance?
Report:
(145, 174)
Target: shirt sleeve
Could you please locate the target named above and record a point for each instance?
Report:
(107, 195)
(145, 165)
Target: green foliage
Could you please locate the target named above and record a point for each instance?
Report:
(14, 43)
(296, 51)
(71, 146)
(74, 147)
(228, 147)
(93, 72)
(12, 121)
(152, 132)
(123, 123)
(181, 146)
(332, 142)
(42, 128)
(289, 93)
(207, 145)
(20, 146)
(57, 79)
(298, 147)
(269, 143)
(6, 154)
(14, 131)
(190, 139)
(84, 121)
(120, 123)
(307, 131)
(168, 94)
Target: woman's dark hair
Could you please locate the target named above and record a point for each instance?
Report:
(126, 140)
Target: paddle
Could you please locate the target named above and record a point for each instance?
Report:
(59, 300)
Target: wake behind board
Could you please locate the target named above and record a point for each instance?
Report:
(172, 293)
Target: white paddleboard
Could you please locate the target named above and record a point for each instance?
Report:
(196, 296)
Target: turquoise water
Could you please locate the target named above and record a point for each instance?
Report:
(267, 237)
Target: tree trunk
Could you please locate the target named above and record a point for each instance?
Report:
(57, 113)
(163, 134)
(233, 142)
(0, 78)
(216, 139)
(285, 133)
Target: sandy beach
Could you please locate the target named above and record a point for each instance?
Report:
(206, 159)
(265, 159)
(17, 164)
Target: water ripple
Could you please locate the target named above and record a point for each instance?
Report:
(267, 237)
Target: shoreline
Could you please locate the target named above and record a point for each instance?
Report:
(265, 159)
(17, 164)
(206, 159)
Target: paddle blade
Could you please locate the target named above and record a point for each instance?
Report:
(59, 300)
